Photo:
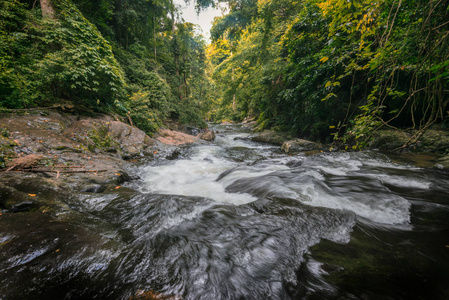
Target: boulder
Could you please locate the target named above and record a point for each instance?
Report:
(131, 139)
(208, 135)
(174, 138)
(388, 140)
(433, 141)
(269, 137)
(299, 145)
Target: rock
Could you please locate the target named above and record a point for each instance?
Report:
(433, 141)
(226, 123)
(120, 178)
(299, 145)
(208, 135)
(22, 206)
(174, 138)
(131, 139)
(10, 197)
(94, 188)
(174, 155)
(192, 130)
(269, 137)
(388, 140)
(248, 120)
(443, 162)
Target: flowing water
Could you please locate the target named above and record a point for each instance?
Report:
(236, 219)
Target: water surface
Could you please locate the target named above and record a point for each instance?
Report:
(236, 219)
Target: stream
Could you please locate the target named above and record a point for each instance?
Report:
(235, 219)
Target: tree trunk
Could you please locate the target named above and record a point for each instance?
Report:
(48, 11)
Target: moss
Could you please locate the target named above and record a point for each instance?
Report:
(101, 139)
(6, 150)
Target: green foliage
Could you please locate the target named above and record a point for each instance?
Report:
(83, 64)
(4, 132)
(150, 68)
(144, 112)
(346, 68)
(101, 139)
(15, 60)
(43, 61)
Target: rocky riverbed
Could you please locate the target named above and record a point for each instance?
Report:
(96, 154)
(196, 215)
(74, 154)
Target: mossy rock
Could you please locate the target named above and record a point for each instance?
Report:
(433, 141)
(443, 163)
(269, 137)
(436, 141)
(388, 140)
(299, 145)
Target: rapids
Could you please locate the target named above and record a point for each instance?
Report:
(235, 219)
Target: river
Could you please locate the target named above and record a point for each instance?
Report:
(235, 219)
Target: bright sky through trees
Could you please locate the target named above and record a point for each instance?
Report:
(204, 19)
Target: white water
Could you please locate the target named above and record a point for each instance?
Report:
(210, 172)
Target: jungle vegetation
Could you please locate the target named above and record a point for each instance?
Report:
(333, 68)
(129, 57)
(320, 69)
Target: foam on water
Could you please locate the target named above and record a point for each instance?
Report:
(344, 181)
(194, 177)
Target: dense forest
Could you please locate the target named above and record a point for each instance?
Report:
(132, 57)
(340, 68)
(320, 69)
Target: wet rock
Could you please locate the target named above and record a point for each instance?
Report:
(10, 197)
(434, 141)
(22, 206)
(94, 188)
(300, 145)
(192, 130)
(388, 140)
(208, 135)
(443, 162)
(120, 177)
(269, 137)
(174, 138)
(173, 155)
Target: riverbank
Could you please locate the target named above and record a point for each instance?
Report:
(430, 149)
(46, 155)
